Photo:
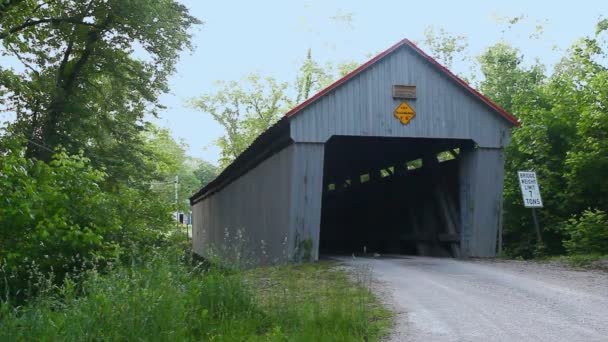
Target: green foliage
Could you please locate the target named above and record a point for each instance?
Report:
(247, 108)
(587, 234)
(583, 260)
(167, 159)
(563, 134)
(313, 77)
(317, 302)
(52, 212)
(83, 85)
(167, 154)
(188, 182)
(507, 80)
(305, 249)
(244, 109)
(79, 160)
(539, 144)
(160, 296)
(586, 81)
(156, 297)
(602, 26)
(562, 137)
(205, 172)
(444, 46)
(55, 215)
(592, 261)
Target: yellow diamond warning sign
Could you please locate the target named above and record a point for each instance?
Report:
(404, 113)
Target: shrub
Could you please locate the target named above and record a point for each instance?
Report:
(59, 218)
(587, 234)
(582, 260)
(161, 295)
(157, 297)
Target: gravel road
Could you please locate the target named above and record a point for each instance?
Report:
(453, 300)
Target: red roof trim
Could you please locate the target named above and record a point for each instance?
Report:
(464, 84)
(344, 79)
(372, 61)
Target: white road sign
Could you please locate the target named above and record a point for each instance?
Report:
(529, 189)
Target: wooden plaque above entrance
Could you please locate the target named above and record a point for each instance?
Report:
(404, 91)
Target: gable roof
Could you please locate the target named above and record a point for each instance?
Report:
(407, 43)
(277, 136)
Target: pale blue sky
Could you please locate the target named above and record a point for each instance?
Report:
(271, 37)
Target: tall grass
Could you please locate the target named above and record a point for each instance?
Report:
(319, 302)
(163, 296)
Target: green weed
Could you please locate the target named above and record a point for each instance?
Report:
(162, 295)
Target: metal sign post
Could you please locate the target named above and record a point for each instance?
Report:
(538, 236)
(530, 192)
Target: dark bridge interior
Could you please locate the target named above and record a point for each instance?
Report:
(391, 196)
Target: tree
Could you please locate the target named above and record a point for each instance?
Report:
(562, 137)
(170, 160)
(205, 172)
(244, 109)
(312, 77)
(92, 70)
(80, 159)
(583, 77)
(444, 46)
(521, 91)
(188, 184)
(247, 108)
(507, 81)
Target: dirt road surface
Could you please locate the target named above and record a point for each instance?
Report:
(454, 300)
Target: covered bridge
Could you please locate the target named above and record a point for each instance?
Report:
(399, 156)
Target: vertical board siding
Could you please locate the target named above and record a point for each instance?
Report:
(266, 214)
(481, 183)
(364, 106)
(249, 218)
(306, 196)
